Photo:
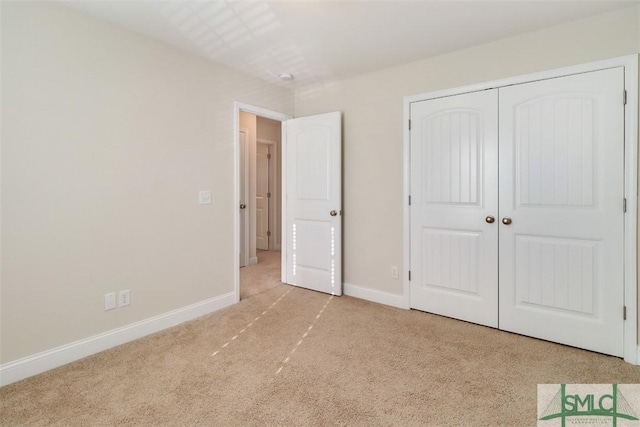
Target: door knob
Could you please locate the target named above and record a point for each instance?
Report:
(506, 220)
(490, 219)
(333, 213)
(242, 206)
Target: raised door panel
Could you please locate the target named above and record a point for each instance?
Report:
(555, 151)
(312, 179)
(450, 260)
(451, 173)
(556, 274)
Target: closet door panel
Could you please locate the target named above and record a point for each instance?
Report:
(454, 187)
(561, 191)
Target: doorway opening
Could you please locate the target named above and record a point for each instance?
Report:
(258, 190)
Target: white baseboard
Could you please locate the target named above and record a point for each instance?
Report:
(46, 360)
(253, 260)
(372, 295)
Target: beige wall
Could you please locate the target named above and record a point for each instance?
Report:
(107, 137)
(373, 124)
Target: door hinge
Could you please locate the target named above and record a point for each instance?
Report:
(624, 312)
(269, 156)
(409, 200)
(268, 233)
(624, 98)
(268, 195)
(409, 275)
(624, 205)
(409, 124)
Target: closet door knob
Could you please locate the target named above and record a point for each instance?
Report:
(506, 220)
(490, 219)
(242, 206)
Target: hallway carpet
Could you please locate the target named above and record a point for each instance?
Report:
(260, 277)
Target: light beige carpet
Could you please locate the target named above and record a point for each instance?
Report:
(260, 277)
(293, 357)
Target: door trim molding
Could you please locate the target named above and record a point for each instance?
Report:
(262, 112)
(630, 64)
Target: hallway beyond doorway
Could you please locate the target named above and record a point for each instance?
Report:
(262, 276)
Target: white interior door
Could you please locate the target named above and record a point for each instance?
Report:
(262, 196)
(313, 216)
(244, 191)
(562, 189)
(454, 192)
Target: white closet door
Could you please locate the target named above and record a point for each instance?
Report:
(454, 190)
(561, 186)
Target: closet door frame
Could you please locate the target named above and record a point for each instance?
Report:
(630, 65)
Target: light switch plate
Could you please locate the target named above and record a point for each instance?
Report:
(204, 197)
(109, 301)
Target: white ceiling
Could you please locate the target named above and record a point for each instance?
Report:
(319, 41)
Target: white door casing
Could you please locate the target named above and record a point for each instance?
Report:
(454, 250)
(562, 187)
(262, 196)
(312, 216)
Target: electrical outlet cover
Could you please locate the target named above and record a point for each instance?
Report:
(124, 298)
